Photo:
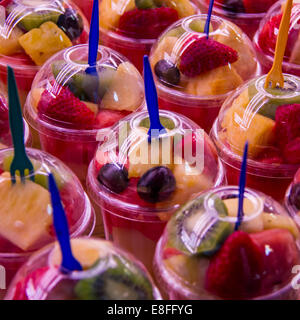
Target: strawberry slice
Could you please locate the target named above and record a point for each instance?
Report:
(233, 271)
(201, 55)
(146, 24)
(65, 108)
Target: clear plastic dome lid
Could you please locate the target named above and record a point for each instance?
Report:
(143, 19)
(292, 199)
(210, 259)
(242, 7)
(269, 119)
(31, 31)
(65, 96)
(26, 212)
(266, 37)
(160, 175)
(187, 63)
(108, 274)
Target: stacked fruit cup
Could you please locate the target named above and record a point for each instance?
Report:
(247, 14)
(32, 32)
(131, 27)
(26, 218)
(108, 274)
(195, 74)
(138, 185)
(203, 256)
(266, 36)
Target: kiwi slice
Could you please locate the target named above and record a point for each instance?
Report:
(196, 232)
(121, 280)
(36, 19)
(166, 122)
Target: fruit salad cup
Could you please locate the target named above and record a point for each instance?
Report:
(68, 106)
(201, 256)
(195, 74)
(269, 119)
(292, 198)
(247, 14)
(138, 185)
(26, 219)
(31, 31)
(86, 7)
(266, 36)
(131, 27)
(5, 136)
(108, 274)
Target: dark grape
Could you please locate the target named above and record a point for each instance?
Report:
(295, 195)
(71, 23)
(167, 72)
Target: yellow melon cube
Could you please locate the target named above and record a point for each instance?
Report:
(10, 45)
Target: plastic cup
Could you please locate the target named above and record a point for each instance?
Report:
(266, 36)
(23, 29)
(247, 19)
(198, 90)
(292, 198)
(15, 250)
(188, 263)
(5, 135)
(263, 117)
(136, 212)
(86, 7)
(102, 100)
(134, 44)
(101, 260)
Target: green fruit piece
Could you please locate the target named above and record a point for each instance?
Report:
(41, 173)
(194, 231)
(176, 32)
(166, 122)
(198, 26)
(36, 19)
(144, 4)
(120, 280)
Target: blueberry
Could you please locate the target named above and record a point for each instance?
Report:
(71, 23)
(156, 185)
(295, 195)
(167, 72)
(234, 6)
(114, 177)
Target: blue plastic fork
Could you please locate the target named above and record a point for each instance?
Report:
(20, 161)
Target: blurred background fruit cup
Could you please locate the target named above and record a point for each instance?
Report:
(194, 75)
(247, 14)
(269, 119)
(132, 26)
(32, 31)
(26, 221)
(266, 36)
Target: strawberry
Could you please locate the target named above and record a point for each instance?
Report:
(233, 271)
(271, 155)
(255, 6)
(202, 55)
(4, 122)
(287, 126)
(107, 118)
(146, 24)
(66, 108)
(292, 151)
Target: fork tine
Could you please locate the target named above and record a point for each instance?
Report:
(13, 176)
(22, 175)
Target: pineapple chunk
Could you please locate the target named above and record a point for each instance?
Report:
(110, 12)
(86, 251)
(25, 213)
(252, 225)
(183, 7)
(217, 81)
(11, 45)
(241, 125)
(126, 91)
(41, 43)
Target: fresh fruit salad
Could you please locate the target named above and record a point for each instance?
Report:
(195, 74)
(138, 185)
(292, 198)
(5, 136)
(68, 106)
(201, 254)
(247, 14)
(269, 119)
(108, 274)
(266, 37)
(26, 220)
(132, 26)
(31, 31)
